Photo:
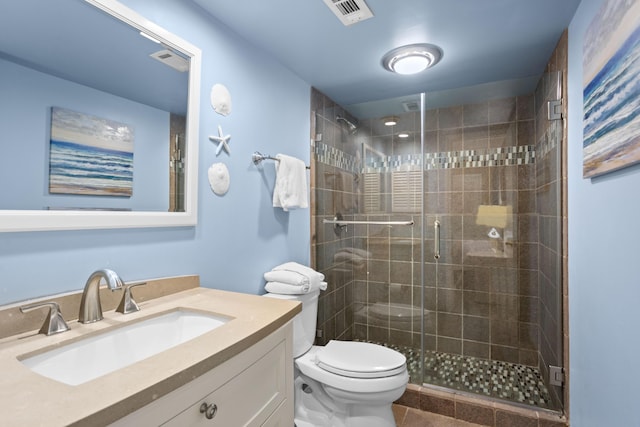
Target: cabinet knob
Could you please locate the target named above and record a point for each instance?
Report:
(209, 411)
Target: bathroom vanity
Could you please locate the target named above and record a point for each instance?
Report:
(239, 373)
(253, 389)
(241, 370)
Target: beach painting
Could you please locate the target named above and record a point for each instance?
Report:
(611, 88)
(90, 155)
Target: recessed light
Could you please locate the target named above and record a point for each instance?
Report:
(403, 135)
(390, 120)
(411, 59)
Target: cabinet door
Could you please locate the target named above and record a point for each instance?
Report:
(247, 399)
(280, 418)
(246, 390)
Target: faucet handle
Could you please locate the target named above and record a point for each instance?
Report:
(127, 304)
(54, 323)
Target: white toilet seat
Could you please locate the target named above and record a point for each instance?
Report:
(307, 364)
(360, 360)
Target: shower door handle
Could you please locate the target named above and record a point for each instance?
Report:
(436, 245)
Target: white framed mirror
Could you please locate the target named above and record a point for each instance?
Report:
(113, 68)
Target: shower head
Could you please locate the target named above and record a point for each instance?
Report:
(352, 127)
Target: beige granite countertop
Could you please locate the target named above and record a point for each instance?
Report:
(29, 399)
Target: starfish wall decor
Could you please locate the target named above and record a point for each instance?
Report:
(222, 140)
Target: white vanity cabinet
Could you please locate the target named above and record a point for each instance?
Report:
(254, 388)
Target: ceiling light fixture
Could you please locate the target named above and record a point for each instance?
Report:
(403, 135)
(390, 120)
(412, 58)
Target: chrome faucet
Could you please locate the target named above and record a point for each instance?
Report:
(54, 323)
(90, 308)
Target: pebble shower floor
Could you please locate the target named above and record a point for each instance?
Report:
(511, 381)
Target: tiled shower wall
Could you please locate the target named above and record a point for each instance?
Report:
(333, 184)
(484, 302)
(479, 154)
(387, 283)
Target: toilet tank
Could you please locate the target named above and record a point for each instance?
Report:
(304, 324)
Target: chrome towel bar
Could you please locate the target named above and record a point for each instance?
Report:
(258, 157)
(344, 222)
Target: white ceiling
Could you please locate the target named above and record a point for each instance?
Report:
(492, 46)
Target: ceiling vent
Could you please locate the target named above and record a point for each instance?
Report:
(171, 59)
(411, 106)
(349, 11)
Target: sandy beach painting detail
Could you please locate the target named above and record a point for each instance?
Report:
(611, 88)
(90, 155)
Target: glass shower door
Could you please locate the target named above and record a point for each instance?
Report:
(550, 133)
(470, 292)
(488, 250)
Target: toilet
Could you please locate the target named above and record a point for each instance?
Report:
(344, 383)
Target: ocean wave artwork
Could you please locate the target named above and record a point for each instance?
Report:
(611, 89)
(89, 155)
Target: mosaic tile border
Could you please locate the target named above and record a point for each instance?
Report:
(501, 156)
(335, 157)
(550, 139)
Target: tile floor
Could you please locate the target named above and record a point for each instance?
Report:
(494, 378)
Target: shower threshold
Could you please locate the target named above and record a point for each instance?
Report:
(502, 380)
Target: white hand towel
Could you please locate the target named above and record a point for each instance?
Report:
(290, 190)
(285, 288)
(286, 276)
(313, 275)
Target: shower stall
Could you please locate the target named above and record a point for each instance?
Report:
(177, 132)
(440, 237)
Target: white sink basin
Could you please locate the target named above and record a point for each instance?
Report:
(98, 355)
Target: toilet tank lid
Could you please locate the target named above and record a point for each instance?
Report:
(360, 359)
(294, 297)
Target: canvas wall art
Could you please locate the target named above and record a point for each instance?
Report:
(90, 155)
(611, 88)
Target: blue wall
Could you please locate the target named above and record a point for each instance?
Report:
(604, 284)
(25, 121)
(238, 236)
